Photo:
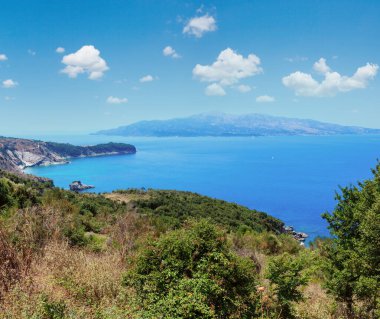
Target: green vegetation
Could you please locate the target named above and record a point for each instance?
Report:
(180, 206)
(354, 254)
(69, 150)
(192, 273)
(286, 277)
(168, 254)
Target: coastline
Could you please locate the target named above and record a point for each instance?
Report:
(66, 160)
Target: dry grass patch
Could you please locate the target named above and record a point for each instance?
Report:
(83, 275)
(126, 197)
(70, 283)
(317, 304)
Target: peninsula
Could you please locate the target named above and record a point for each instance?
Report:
(17, 154)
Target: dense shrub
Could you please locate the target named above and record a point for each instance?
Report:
(285, 273)
(6, 198)
(192, 273)
(353, 256)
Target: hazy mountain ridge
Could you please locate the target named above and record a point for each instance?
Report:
(222, 124)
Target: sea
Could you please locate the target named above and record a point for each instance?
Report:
(294, 178)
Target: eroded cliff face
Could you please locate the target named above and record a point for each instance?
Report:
(17, 154)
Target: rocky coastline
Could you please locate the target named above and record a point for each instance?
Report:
(299, 236)
(17, 154)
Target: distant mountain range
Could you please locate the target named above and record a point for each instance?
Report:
(221, 124)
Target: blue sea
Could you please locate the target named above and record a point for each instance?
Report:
(293, 178)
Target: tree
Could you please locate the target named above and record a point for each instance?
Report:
(192, 273)
(285, 273)
(353, 257)
(5, 193)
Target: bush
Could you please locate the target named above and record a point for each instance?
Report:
(192, 273)
(52, 309)
(5, 193)
(353, 255)
(286, 278)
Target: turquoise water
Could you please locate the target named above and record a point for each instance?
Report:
(293, 178)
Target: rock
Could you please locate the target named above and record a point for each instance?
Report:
(77, 186)
(299, 236)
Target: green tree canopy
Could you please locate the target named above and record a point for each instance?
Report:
(5, 193)
(353, 256)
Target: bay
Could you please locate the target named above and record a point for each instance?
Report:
(291, 177)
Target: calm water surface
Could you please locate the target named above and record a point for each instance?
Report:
(293, 178)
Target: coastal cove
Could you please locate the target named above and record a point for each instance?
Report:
(290, 177)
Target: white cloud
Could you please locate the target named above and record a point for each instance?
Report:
(215, 89)
(9, 84)
(146, 78)
(333, 83)
(116, 100)
(228, 69)
(169, 51)
(197, 26)
(244, 88)
(3, 57)
(86, 60)
(60, 50)
(321, 66)
(265, 99)
(31, 52)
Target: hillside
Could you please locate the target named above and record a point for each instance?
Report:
(16, 154)
(178, 206)
(221, 124)
(169, 254)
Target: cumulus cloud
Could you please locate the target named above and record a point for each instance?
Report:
(116, 100)
(304, 84)
(321, 66)
(215, 89)
(60, 50)
(86, 60)
(3, 57)
(244, 88)
(228, 69)
(265, 99)
(169, 51)
(9, 84)
(197, 26)
(146, 78)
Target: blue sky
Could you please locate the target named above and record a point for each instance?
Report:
(306, 59)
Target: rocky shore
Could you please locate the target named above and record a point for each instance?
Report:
(17, 154)
(299, 236)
